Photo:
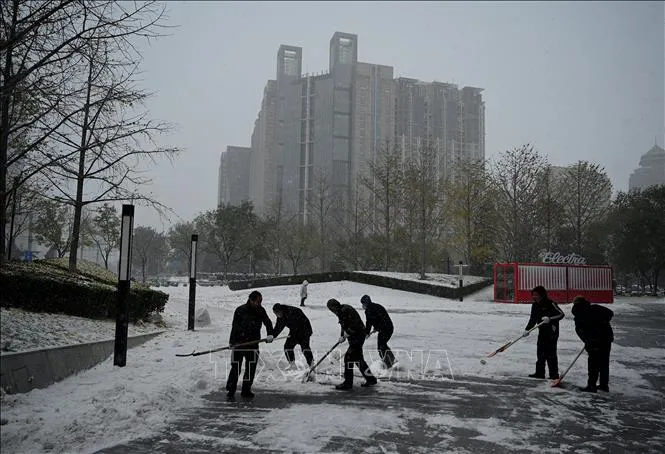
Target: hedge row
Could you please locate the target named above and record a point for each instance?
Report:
(428, 288)
(30, 288)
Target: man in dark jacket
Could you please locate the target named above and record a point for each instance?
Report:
(592, 325)
(378, 318)
(246, 327)
(545, 310)
(300, 330)
(353, 329)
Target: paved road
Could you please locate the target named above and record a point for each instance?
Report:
(467, 415)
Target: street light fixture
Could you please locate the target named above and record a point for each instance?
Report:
(192, 282)
(124, 282)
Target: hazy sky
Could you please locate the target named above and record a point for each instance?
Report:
(577, 80)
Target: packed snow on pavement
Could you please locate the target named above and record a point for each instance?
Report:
(434, 339)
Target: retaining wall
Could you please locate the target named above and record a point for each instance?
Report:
(21, 372)
(425, 287)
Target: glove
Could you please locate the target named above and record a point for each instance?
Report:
(526, 334)
(269, 339)
(545, 320)
(341, 339)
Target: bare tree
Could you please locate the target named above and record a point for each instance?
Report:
(227, 232)
(384, 184)
(425, 185)
(298, 242)
(586, 198)
(354, 226)
(516, 177)
(105, 142)
(550, 193)
(320, 206)
(42, 55)
(23, 202)
(106, 231)
(473, 211)
(53, 226)
(149, 249)
(275, 226)
(180, 240)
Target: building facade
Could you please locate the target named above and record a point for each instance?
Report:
(316, 136)
(233, 181)
(452, 118)
(262, 152)
(651, 171)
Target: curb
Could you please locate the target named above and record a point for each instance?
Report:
(21, 372)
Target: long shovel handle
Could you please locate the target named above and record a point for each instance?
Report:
(558, 381)
(229, 347)
(311, 369)
(508, 344)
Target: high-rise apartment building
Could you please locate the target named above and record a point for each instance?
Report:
(319, 133)
(233, 182)
(262, 154)
(452, 118)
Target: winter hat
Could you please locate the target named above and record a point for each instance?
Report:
(365, 300)
(540, 290)
(333, 305)
(305, 282)
(580, 306)
(579, 299)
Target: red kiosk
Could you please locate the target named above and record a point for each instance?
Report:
(513, 282)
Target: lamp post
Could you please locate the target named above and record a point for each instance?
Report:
(124, 281)
(461, 280)
(192, 283)
(17, 179)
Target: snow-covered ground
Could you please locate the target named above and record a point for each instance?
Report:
(22, 330)
(434, 338)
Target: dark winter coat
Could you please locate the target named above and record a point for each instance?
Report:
(592, 324)
(247, 322)
(351, 323)
(377, 318)
(545, 308)
(295, 320)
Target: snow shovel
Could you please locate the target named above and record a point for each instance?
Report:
(558, 381)
(508, 344)
(311, 369)
(229, 347)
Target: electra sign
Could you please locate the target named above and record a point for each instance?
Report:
(557, 258)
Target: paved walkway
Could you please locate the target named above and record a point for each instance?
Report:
(468, 414)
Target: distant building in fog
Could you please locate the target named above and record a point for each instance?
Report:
(317, 131)
(233, 182)
(453, 118)
(651, 171)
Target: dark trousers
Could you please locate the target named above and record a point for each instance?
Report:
(303, 341)
(546, 353)
(302, 300)
(385, 352)
(599, 365)
(353, 356)
(250, 356)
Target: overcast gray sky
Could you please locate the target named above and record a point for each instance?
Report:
(577, 80)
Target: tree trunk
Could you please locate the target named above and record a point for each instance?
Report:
(78, 204)
(469, 244)
(578, 223)
(386, 258)
(5, 101)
